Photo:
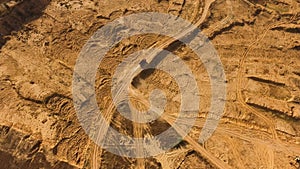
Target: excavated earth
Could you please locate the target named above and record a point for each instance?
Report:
(258, 43)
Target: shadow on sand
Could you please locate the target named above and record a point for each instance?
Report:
(20, 14)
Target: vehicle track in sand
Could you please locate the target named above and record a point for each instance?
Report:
(240, 76)
(275, 145)
(199, 148)
(235, 152)
(164, 45)
(111, 106)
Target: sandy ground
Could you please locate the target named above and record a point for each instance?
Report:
(258, 43)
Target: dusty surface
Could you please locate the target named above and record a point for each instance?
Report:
(257, 41)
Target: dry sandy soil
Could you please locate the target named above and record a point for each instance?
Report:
(258, 43)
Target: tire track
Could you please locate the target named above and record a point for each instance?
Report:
(235, 153)
(267, 120)
(164, 45)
